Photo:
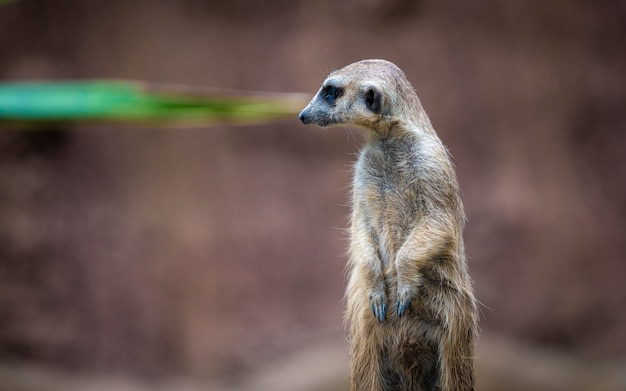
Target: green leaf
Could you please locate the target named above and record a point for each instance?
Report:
(136, 102)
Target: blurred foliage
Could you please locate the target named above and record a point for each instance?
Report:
(137, 102)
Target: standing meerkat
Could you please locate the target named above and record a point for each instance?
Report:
(410, 311)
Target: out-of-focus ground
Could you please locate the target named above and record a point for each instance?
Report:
(132, 256)
(501, 365)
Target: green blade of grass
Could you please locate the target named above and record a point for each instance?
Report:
(136, 102)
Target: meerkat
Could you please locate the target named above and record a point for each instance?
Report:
(411, 312)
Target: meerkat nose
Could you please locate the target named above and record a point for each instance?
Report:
(303, 117)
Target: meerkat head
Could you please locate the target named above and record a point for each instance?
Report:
(368, 93)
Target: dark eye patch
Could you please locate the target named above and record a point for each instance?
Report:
(330, 93)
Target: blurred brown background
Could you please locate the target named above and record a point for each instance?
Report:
(213, 254)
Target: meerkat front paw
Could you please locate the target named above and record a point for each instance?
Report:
(378, 301)
(405, 295)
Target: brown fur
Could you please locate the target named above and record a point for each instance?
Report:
(410, 311)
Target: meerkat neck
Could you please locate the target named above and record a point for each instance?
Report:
(400, 128)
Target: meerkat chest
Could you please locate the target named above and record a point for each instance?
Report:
(387, 197)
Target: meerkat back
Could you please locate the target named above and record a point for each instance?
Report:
(411, 312)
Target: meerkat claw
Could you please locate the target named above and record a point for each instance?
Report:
(404, 301)
(379, 308)
(380, 312)
(402, 307)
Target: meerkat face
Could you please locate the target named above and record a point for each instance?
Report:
(354, 95)
(371, 94)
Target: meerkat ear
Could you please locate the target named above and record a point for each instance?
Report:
(373, 100)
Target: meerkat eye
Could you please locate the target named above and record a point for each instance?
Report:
(330, 93)
(373, 101)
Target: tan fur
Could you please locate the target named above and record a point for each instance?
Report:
(410, 310)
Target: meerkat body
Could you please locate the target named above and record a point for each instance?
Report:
(410, 311)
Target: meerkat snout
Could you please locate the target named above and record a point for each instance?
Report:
(304, 117)
(323, 107)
